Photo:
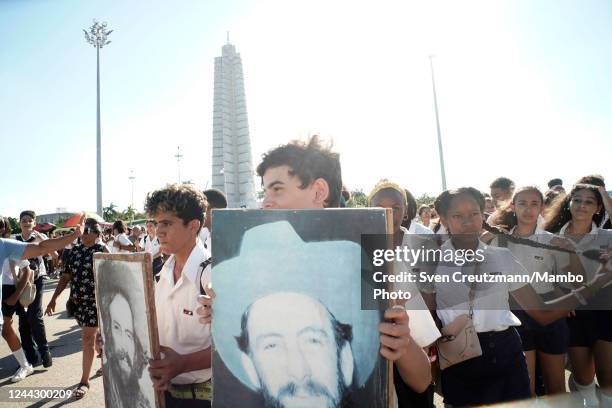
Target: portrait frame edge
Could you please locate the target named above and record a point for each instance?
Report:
(146, 262)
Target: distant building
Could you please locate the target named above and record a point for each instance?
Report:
(52, 218)
(232, 166)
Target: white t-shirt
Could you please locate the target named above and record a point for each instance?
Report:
(491, 308)
(7, 276)
(204, 236)
(123, 240)
(177, 321)
(150, 245)
(416, 228)
(538, 259)
(42, 270)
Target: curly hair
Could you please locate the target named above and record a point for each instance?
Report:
(308, 161)
(560, 214)
(184, 200)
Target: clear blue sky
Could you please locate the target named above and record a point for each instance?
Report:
(524, 90)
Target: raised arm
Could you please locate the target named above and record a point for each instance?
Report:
(50, 245)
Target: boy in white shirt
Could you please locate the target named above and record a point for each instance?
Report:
(184, 372)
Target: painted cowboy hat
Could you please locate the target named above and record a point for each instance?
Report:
(273, 258)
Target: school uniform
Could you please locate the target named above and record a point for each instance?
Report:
(179, 326)
(8, 286)
(554, 337)
(152, 246)
(593, 321)
(205, 238)
(121, 239)
(31, 324)
(416, 228)
(500, 373)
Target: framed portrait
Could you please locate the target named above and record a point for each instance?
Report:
(289, 327)
(126, 314)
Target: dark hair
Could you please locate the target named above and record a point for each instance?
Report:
(308, 161)
(423, 208)
(506, 215)
(551, 195)
(120, 226)
(91, 225)
(593, 179)
(411, 206)
(151, 221)
(560, 214)
(184, 200)
(504, 183)
(555, 182)
(443, 201)
(29, 213)
(5, 225)
(216, 198)
(343, 333)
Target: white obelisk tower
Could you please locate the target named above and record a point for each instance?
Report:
(232, 166)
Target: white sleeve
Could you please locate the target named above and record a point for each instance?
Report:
(123, 240)
(515, 268)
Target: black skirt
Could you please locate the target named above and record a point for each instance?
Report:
(499, 375)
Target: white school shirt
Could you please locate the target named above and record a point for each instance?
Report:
(123, 240)
(597, 238)
(423, 329)
(7, 276)
(42, 270)
(204, 237)
(416, 228)
(175, 304)
(538, 259)
(150, 245)
(491, 308)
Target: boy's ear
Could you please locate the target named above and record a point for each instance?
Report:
(321, 190)
(194, 225)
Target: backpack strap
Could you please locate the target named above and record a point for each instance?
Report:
(203, 267)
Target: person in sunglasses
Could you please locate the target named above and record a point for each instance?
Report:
(79, 273)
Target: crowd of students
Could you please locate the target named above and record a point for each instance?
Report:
(524, 337)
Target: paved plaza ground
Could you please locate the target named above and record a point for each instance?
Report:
(64, 338)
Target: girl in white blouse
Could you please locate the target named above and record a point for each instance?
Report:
(576, 217)
(520, 219)
(500, 373)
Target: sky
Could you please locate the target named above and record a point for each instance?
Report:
(523, 89)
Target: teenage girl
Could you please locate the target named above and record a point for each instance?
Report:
(576, 217)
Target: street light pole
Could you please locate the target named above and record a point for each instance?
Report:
(132, 181)
(178, 156)
(98, 37)
(433, 83)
